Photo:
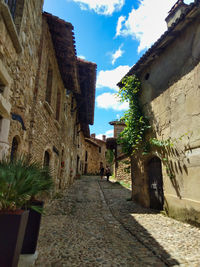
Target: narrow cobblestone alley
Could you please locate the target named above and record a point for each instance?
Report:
(93, 224)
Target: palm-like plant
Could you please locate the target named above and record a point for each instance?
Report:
(20, 181)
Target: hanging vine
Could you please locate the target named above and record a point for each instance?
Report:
(132, 137)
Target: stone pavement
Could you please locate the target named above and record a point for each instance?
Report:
(93, 224)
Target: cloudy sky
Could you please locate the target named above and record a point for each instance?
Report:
(114, 34)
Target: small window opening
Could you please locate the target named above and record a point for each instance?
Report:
(1, 120)
(2, 87)
(58, 105)
(147, 76)
(14, 148)
(49, 85)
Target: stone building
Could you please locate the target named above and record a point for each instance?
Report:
(95, 154)
(170, 96)
(47, 93)
(122, 163)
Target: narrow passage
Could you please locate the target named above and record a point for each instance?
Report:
(93, 224)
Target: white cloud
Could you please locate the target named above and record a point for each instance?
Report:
(82, 57)
(110, 78)
(108, 133)
(147, 23)
(121, 19)
(118, 53)
(188, 1)
(118, 116)
(103, 7)
(110, 101)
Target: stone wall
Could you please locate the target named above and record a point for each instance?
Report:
(170, 96)
(123, 169)
(26, 52)
(96, 155)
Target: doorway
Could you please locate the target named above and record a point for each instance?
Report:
(14, 148)
(155, 184)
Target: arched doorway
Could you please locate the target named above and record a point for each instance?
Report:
(46, 159)
(14, 148)
(155, 183)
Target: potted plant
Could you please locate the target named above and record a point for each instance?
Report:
(16, 188)
(43, 183)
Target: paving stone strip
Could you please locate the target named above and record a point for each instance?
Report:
(82, 228)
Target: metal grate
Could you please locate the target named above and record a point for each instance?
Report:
(12, 6)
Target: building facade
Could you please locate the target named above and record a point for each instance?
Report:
(122, 162)
(44, 104)
(95, 154)
(170, 95)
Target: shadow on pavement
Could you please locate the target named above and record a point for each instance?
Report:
(116, 197)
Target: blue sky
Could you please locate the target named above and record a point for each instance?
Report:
(114, 34)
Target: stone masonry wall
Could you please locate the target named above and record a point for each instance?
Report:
(123, 170)
(27, 88)
(171, 98)
(95, 156)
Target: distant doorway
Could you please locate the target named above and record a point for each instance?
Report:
(14, 148)
(86, 167)
(155, 184)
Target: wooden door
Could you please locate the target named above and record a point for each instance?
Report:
(155, 184)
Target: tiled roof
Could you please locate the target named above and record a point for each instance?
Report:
(165, 39)
(64, 45)
(91, 141)
(86, 100)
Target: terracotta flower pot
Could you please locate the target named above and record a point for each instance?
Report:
(32, 229)
(12, 229)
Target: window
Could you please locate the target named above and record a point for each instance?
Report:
(99, 149)
(58, 105)
(14, 148)
(147, 76)
(72, 104)
(86, 156)
(1, 118)
(49, 85)
(65, 109)
(2, 87)
(12, 6)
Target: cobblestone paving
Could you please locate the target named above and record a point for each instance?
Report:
(93, 224)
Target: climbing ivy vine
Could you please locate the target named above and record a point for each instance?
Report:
(133, 135)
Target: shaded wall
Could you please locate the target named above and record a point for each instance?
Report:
(170, 97)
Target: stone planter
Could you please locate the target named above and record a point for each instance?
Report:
(12, 229)
(32, 229)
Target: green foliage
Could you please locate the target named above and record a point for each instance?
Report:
(110, 156)
(133, 135)
(21, 180)
(161, 143)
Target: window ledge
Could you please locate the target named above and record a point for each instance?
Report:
(57, 124)
(10, 26)
(48, 107)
